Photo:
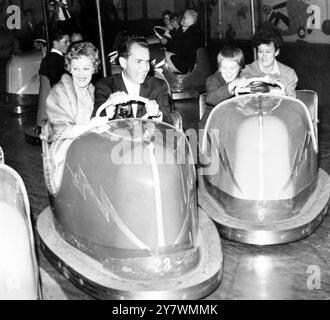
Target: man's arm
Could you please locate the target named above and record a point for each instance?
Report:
(162, 98)
(102, 93)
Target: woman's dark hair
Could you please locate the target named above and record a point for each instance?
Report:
(267, 34)
(124, 49)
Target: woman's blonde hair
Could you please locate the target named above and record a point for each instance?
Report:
(231, 53)
(86, 49)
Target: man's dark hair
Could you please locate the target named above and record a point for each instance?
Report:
(267, 34)
(124, 49)
(58, 34)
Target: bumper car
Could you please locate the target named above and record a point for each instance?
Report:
(123, 221)
(259, 178)
(19, 273)
(194, 80)
(22, 81)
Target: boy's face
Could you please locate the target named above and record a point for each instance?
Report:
(229, 69)
(63, 44)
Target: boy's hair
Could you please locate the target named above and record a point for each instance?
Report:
(231, 53)
(268, 34)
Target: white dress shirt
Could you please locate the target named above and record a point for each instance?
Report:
(134, 89)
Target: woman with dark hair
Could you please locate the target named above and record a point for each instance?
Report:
(268, 41)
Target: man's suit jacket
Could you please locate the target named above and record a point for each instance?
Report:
(152, 89)
(185, 49)
(52, 66)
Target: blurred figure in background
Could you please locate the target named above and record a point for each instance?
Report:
(183, 57)
(170, 40)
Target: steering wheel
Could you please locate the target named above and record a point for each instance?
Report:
(159, 28)
(260, 85)
(123, 109)
(113, 56)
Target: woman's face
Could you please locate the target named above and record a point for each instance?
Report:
(229, 69)
(267, 55)
(166, 20)
(82, 71)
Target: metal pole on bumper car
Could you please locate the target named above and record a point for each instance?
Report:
(99, 21)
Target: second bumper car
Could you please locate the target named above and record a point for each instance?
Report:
(259, 177)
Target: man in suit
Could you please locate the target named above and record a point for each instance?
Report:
(50, 72)
(134, 58)
(52, 65)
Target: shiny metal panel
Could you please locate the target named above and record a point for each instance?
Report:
(260, 148)
(129, 192)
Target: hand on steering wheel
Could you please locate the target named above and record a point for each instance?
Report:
(116, 99)
(260, 85)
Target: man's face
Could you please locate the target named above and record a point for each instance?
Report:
(63, 44)
(187, 21)
(136, 66)
(267, 54)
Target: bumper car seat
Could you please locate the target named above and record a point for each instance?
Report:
(195, 79)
